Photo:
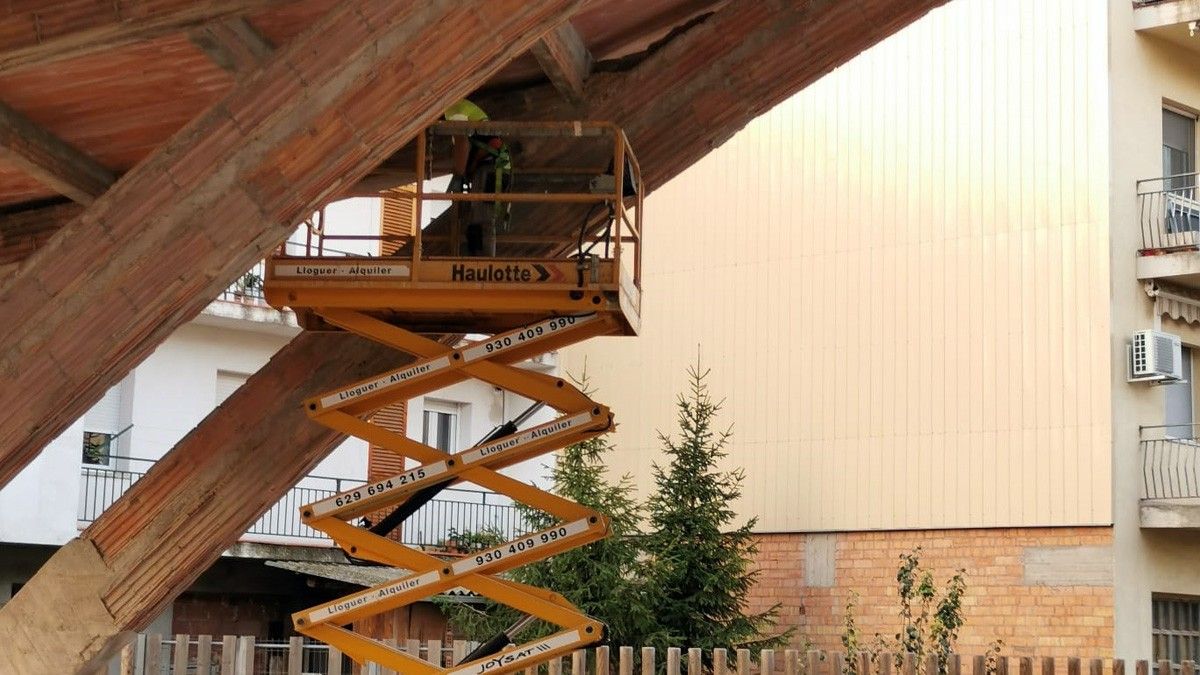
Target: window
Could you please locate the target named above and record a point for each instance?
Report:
(439, 427)
(102, 428)
(1176, 628)
(1179, 158)
(1180, 401)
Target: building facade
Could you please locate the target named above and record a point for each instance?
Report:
(915, 283)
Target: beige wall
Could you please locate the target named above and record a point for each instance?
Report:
(1145, 72)
(900, 280)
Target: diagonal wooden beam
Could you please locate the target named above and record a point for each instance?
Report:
(566, 61)
(36, 33)
(231, 468)
(233, 44)
(51, 161)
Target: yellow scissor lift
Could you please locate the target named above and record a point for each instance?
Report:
(587, 283)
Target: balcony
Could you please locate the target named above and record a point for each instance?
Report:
(1170, 477)
(433, 526)
(1169, 20)
(1169, 216)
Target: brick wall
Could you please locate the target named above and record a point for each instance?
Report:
(1044, 591)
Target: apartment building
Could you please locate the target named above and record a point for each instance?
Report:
(279, 565)
(916, 283)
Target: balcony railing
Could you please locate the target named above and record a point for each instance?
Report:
(1169, 211)
(458, 510)
(1170, 462)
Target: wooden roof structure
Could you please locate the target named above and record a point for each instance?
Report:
(152, 150)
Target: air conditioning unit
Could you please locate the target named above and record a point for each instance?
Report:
(1155, 356)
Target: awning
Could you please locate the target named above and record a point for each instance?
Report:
(1175, 302)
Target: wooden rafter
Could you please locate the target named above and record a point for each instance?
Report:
(233, 44)
(50, 160)
(60, 29)
(23, 233)
(566, 61)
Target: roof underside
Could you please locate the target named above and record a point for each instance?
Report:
(116, 95)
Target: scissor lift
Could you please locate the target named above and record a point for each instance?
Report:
(587, 283)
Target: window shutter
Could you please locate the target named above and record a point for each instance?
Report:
(105, 416)
(397, 217)
(381, 462)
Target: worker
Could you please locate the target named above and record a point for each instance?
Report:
(481, 163)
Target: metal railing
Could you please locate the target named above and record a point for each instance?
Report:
(1170, 462)
(248, 288)
(1169, 213)
(613, 189)
(459, 510)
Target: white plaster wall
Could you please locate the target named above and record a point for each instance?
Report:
(39, 505)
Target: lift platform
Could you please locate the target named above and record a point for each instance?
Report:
(591, 267)
(565, 285)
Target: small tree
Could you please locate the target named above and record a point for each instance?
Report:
(700, 568)
(603, 578)
(930, 623)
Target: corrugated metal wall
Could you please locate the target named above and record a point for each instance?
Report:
(900, 281)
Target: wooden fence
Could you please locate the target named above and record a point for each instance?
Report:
(232, 655)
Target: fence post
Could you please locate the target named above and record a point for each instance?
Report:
(579, 662)
(602, 658)
(814, 662)
(245, 656)
(1164, 667)
(1096, 667)
(909, 665)
(932, 667)
(434, 648)
(720, 662)
(886, 660)
(673, 654)
(153, 660)
(1187, 667)
(203, 654)
(413, 648)
(647, 660)
(295, 655)
(743, 662)
(954, 665)
(838, 664)
(625, 661)
(766, 661)
(228, 654)
(978, 664)
(554, 666)
(1073, 665)
(1002, 665)
(789, 662)
(127, 659)
(1141, 668)
(1118, 667)
(179, 658)
(864, 664)
(695, 661)
(1047, 665)
(334, 666)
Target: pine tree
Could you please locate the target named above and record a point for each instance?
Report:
(603, 578)
(700, 567)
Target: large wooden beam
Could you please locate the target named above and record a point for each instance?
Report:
(149, 255)
(50, 160)
(50, 30)
(246, 453)
(566, 61)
